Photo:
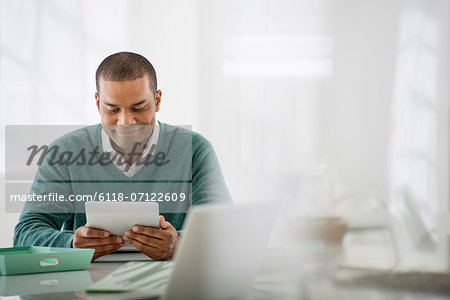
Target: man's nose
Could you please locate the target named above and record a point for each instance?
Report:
(126, 118)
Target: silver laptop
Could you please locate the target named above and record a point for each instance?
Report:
(218, 257)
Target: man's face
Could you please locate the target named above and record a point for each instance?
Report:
(127, 110)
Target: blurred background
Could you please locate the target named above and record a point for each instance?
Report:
(331, 107)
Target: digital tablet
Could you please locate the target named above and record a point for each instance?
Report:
(118, 217)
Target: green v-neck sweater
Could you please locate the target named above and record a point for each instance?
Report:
(183, 171)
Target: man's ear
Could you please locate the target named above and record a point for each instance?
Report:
(158, 96)
(97, 101)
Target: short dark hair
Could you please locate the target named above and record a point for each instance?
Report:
(125, 66)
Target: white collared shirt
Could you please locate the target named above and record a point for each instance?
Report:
(116, 156)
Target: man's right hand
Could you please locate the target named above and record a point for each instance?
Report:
(96, 239)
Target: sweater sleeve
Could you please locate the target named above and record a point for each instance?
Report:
(208, 183)
(42, 223)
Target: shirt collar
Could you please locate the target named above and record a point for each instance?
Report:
(130, 170)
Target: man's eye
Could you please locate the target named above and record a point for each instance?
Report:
(138, 109)
(112, 111)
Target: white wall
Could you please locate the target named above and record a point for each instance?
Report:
(356, 111)
(329, 107)
(166, 32)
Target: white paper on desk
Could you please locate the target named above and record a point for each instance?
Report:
(369, 257)
(153, 275)
(124, 256)
(371, 249)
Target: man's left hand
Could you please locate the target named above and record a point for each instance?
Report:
(156, 243)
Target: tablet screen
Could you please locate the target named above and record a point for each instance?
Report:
(118, 217)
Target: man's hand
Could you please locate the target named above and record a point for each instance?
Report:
(96, 239)
(156, 243)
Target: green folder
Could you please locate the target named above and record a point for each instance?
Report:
(31, 259)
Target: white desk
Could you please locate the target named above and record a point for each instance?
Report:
(270, 284)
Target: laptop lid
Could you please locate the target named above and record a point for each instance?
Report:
(221, 250)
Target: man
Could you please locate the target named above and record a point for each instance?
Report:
(132, 155)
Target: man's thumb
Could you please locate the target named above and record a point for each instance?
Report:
(162, 222)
